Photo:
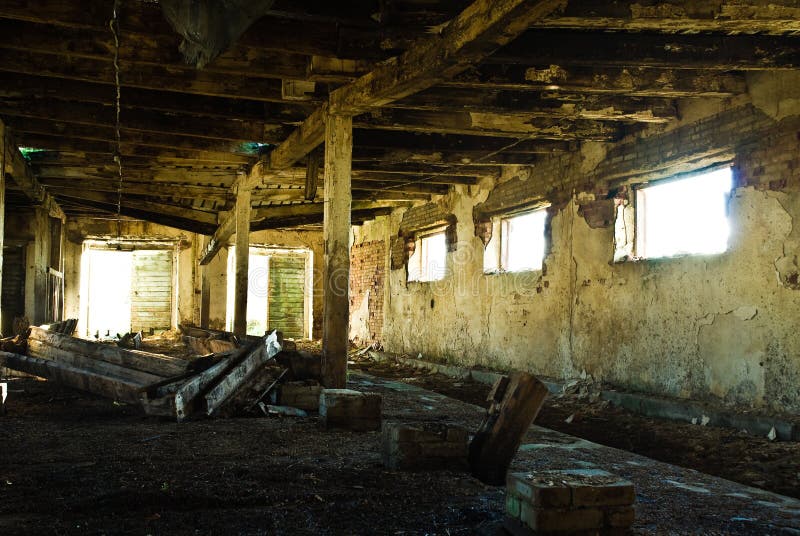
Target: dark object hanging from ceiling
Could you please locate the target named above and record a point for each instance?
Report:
(209, 27)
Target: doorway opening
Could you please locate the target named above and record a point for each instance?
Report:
(127, 288)
(279, 291)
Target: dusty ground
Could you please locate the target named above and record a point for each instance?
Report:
(73, 463)
(730, 454)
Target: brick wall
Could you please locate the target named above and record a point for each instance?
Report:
(368, 274)
(424, 217)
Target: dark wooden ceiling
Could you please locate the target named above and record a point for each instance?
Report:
(596, 71)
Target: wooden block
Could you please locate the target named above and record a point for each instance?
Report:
(497, 440)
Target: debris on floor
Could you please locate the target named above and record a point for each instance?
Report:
(162, 385)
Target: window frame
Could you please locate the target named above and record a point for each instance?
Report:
(638, 199)
(500, 232)
(419, 240)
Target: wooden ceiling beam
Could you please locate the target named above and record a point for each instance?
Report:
(478, 31)
(558, 79)
(713, 52)
(492, 125)
(45, 134)
(680, 16)
(20, 172)
(196, 82)
(183, 222)
(146, 121)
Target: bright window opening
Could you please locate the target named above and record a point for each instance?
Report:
(517, 243)
(684, 217)
(428, 261)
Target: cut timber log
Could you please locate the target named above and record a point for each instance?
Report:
(241, 372)
(157, 364)
(79, 361)
(515, 402)
(111, 387)
(179, 398)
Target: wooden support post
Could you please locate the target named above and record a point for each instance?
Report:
(205, 291)
(2, 206)
(336, 231)
(242, 215)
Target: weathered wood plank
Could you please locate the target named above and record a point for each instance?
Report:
(258, 354)
(241, 271)
(156, 364)
(116, 388)
(45, 351)
(515, 402)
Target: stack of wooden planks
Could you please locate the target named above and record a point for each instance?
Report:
(165, 386)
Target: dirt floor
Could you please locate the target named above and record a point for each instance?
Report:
(730, 454)
(73, 463)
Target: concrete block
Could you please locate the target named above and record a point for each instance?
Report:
(574, 488)
(560, 520)
(302, 395)
(349, 409)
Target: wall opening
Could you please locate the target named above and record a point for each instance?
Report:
(517, 243)
(279, 291)
(427, 263)
(686, 216)
(127, 288)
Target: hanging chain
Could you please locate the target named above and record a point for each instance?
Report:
(114, 25)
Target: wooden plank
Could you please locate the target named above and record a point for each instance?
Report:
(258, 355)
(241, 273)
(116, 388)
(336, 234)
(515, 402)
(45, 351)
(157, 364)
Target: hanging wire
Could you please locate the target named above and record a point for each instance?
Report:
(114, 26)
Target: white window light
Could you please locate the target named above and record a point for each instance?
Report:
(427, 263)
(684, 217)
(517, 244)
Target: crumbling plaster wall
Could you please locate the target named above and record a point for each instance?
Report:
(720, 326)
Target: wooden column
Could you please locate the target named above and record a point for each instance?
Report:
(205, 290)
(2, 205)
(242, 215)
(338, 196)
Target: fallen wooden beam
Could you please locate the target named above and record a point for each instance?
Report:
(515, 402)
(241, 372)
(93, 382)
(77, 360)
(156, 364)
